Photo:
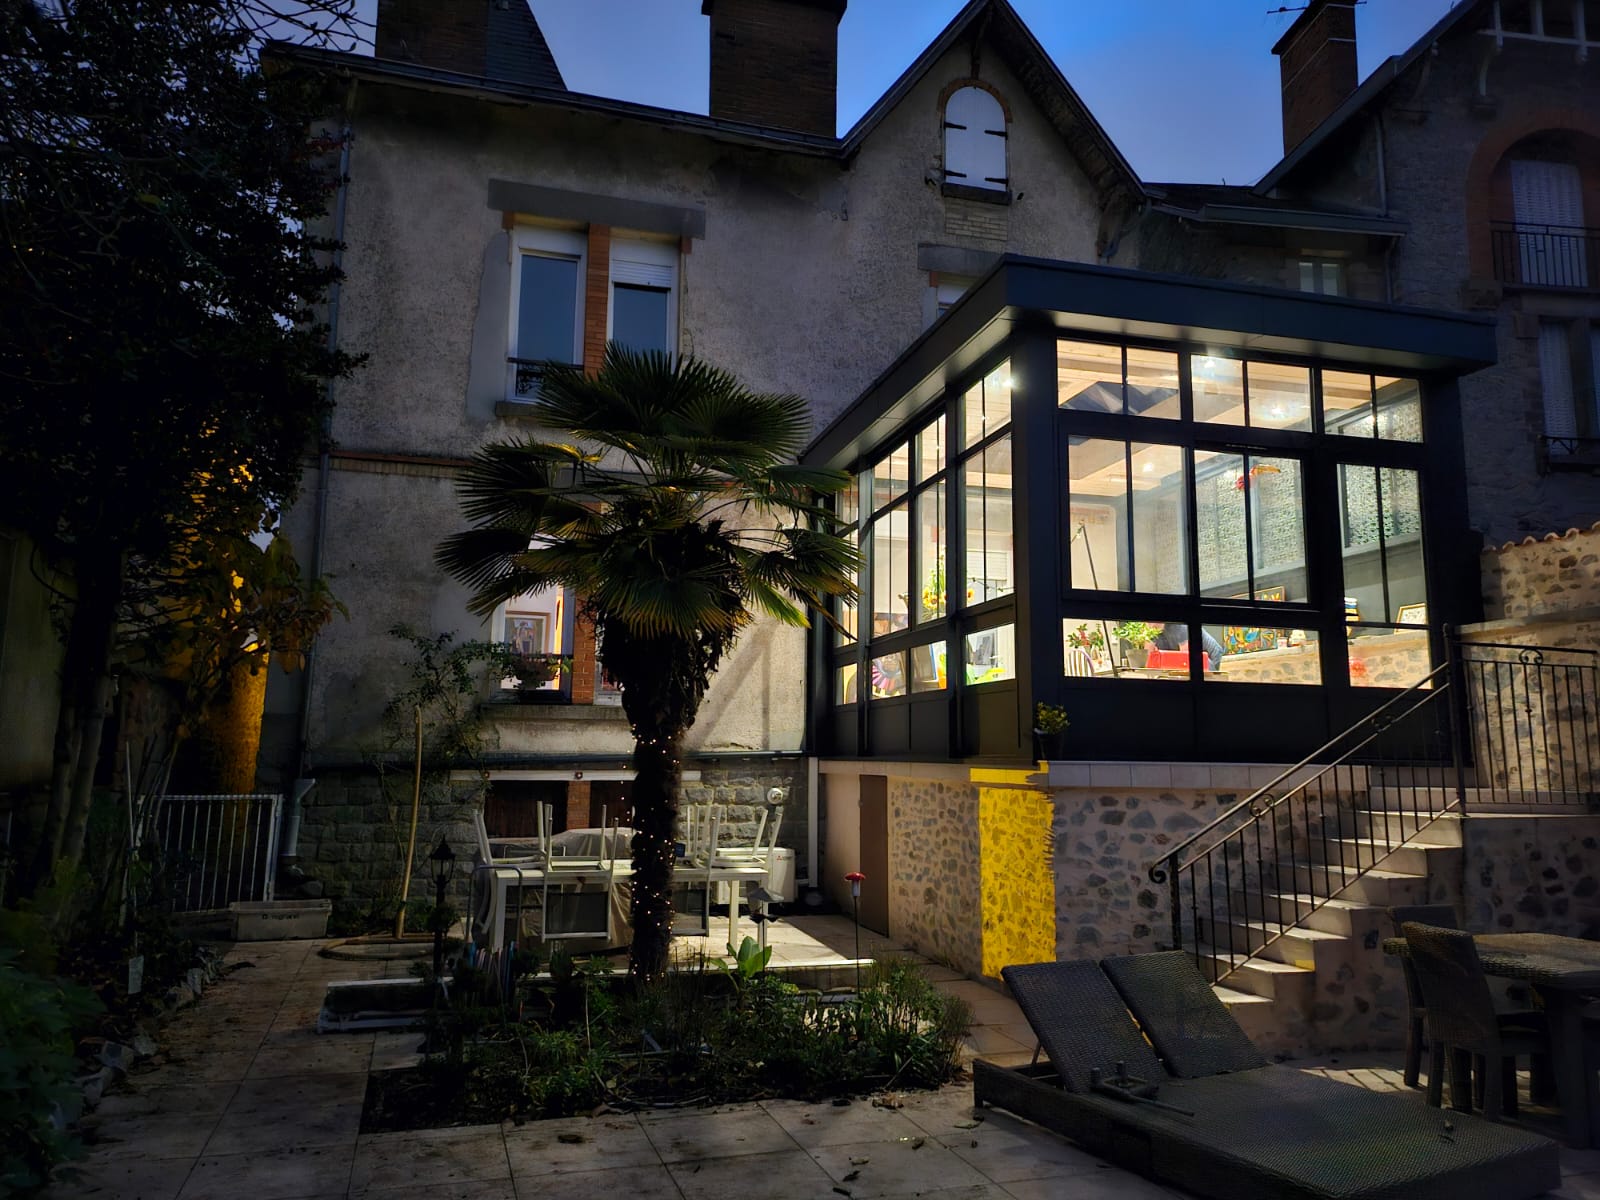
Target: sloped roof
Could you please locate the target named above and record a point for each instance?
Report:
(517, 50)
(1375, 85)
(1043, 81)
(1233, 204)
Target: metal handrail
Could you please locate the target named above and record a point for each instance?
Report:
(1157, 875)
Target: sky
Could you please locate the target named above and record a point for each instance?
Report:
(1187, 89)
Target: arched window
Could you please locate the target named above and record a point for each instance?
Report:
(975, 140)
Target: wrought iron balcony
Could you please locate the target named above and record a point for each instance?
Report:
(526, 375)
(1570, 452)
(1546, 256)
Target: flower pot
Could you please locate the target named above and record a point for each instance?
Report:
(1050, 746)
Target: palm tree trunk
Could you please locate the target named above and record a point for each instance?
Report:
(657, 774)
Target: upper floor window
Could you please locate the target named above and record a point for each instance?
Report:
(1569, 377)
(546, 304)
(1324, 276)
(975, 140)
(1547, 198)
(644, 294)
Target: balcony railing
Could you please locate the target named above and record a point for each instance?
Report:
(1545, 256)
(525, 375)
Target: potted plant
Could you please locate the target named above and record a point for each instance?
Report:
(1050, 731)
(1135, 636)
(534, 672)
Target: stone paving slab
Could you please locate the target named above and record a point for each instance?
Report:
(253, 1105)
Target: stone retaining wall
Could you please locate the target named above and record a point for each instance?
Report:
(1532, 874)
(935, 892)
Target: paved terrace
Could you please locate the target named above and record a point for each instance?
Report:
(252, 1103)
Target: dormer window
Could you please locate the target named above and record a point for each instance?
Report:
(975, 140)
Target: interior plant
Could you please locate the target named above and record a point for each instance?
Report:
(1136, 635)
(533, 671)
(1087, 637)
(668, 499)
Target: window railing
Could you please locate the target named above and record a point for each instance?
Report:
(1545, 256)
(525, 375)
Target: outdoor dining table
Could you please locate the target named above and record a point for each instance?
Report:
(1565, 971)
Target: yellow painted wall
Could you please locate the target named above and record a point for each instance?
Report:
(1018, 877)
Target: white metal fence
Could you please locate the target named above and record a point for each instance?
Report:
(217, 849)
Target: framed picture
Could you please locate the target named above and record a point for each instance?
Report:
(1413, 614)
(525, 632)
(1247, 639)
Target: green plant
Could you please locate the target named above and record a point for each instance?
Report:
(38, 1018)
(1136, 634)
(674, 505)
(535, 670)
(1050, 718)
(1087, 637)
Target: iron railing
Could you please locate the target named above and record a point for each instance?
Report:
(215, 850)
(1545, 256)
(1534, 725)
(1497, 726)
(1261, 868)
(527, 374)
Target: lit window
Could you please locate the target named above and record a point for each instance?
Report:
(975, 140)
(546, 306)
(1323, 276)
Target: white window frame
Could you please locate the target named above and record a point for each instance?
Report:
(1323, 270)
(535, 241)
(645, 262)
(975, 134)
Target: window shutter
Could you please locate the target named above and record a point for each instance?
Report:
(1555, 374)
(975, 140)
(1547, 198)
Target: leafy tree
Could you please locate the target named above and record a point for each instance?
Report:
(162, 370)
(676, 514)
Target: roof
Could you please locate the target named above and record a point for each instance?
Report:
(1119, 303)
(516, 47)
(1230, 204)
(1375, 85)
(1041, 79)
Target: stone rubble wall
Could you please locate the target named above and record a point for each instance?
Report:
(1559, 573)
(935, 892)
(1532, 874)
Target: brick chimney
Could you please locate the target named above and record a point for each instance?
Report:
(494, 39)
(1317, 62)
(776, 62)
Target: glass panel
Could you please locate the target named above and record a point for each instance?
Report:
(1097, 482)
(1153, 389)
(1388, 657)
(1089, 377)
(848, 505)
(639, 317)
(547, 306)
(992, 654)
(927, 667)
(1389, 498)
(844, 685)
(1363, 566)
(891, 476)
(1402, 551)
(1218, 389)
(1252, 654)
(1399, 409)
(1278, 535)
(1219, 538)
(930, 451)
(1280, 396)
(1160, 522)
(986, 408)
(930, 553)
(891, 571)
(1347, 404)
(889, 676)
(1101, 647)
(986, 486)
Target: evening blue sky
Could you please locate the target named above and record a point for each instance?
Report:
(1188, 89)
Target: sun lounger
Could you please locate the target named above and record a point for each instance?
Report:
(1255, 1132)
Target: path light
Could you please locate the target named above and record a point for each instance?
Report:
(854, 879)
(444, 866)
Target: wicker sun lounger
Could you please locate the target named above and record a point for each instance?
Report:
(1256, 1132)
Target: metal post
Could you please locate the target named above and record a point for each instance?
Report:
(1459, 711)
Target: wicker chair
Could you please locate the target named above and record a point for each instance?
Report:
(1461, 1019)
(1441, 916)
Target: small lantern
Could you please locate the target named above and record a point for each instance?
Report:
(444, 863)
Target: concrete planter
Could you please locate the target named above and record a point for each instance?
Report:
(272, 920)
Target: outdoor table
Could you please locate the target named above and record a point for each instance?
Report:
(1566, 971)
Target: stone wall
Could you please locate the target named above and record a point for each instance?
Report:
(1532, 874)
(742, 785)
(935, 895)
(1538, 576)
(1018, 877)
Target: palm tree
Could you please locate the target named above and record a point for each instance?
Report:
(675, 513)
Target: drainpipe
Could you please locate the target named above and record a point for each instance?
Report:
(289, 842)
(1383, 203)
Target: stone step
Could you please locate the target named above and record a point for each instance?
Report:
(1281, 982)
(1332, 916)
(1377, 886)
(1412, 825)
(1283, 942)
(1408, 857)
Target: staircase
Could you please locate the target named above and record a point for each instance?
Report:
(1281, 898)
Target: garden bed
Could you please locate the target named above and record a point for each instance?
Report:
(581, 1041)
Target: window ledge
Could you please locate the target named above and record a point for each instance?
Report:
(501, 710)
(516, 410)
(964, 191)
